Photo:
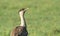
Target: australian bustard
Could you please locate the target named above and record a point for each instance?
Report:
(20, 30)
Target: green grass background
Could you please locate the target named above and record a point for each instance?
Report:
(43, 17)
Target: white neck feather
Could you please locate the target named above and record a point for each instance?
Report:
(23, 22)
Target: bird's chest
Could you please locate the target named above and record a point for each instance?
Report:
(24, 33)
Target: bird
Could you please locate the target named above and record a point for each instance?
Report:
(21, 30)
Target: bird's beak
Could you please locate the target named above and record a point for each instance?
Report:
(26, 9)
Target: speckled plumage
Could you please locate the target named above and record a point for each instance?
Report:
(19, 31)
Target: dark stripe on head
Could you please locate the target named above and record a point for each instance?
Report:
(21, 10)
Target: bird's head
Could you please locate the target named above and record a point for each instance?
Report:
(23, 10)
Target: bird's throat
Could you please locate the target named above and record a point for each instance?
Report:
(23, 22)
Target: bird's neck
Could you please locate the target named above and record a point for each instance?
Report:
(23, 22)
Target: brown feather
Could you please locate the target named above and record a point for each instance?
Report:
(19, 31)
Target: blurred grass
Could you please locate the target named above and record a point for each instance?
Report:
(43, 17)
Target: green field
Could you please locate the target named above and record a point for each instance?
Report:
(43, 17)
